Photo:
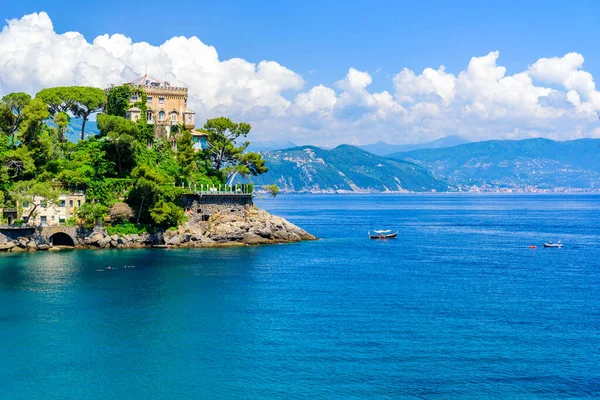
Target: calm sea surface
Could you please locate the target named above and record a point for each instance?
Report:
(457, 307)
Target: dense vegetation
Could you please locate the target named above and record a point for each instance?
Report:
(124, 163)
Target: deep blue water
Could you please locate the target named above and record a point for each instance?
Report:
(457, 307)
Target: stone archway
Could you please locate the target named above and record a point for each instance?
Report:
(62, 239)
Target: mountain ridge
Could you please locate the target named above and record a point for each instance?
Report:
(344, 168)
(536, 162)
(384, 149)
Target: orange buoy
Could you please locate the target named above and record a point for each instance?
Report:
(533, 247)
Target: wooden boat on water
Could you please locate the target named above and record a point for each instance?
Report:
(553, 245)
(384, 234)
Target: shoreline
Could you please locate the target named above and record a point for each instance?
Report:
(438, 193)
(257, 227)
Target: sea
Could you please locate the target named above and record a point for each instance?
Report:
(459, 305)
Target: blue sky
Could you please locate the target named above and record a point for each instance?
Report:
(321, 40)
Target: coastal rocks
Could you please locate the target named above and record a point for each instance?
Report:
(254, 227)
(6, 246)
(30, 242)
(257, 227)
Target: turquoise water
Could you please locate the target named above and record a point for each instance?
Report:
(457, 307)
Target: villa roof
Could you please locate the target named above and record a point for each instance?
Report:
(134, 109)
(198, 133)
(188, 111)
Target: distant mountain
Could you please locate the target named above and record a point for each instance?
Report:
(73, 133)
(74, 129)
(384, 149)
(541, 163)
(271, 145)
(344, 168)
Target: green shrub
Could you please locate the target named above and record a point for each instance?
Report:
(127, 229)
(71, 221)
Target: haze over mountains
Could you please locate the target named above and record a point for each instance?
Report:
(540, 163)
(384, 149)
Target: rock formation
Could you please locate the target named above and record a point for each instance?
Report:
(253, 227)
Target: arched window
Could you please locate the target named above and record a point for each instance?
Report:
(173, 116)
(161, 116)
(149, 116)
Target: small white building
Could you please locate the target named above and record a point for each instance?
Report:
(50, 214)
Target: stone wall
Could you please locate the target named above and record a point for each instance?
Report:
(200, 207)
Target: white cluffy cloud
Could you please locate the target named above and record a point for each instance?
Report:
(553, 97)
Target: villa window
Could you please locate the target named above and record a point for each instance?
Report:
(71, 203)
(149, 99)
(25, 204)
(133, 99)
(149, 116)
(78, 203)
(173, 116)
(161, 100)
(161, 116)
(62, 203)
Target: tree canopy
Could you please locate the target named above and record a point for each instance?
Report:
(227, 152)
(127, 172)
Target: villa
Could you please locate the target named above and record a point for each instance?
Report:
(166, 109)
(52, 214)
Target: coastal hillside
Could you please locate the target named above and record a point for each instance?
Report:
(344, 168)
(540, 163)
(384, 149)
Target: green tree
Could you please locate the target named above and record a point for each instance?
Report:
(186, 156)
(61, 120)
(33, 121)
(226, 154)
(118, 100)
(223, 135)
(167, 214)
(85, 163)
(247, 164)
(91, 214)
(86, 100)
(58, 99)
(122, 136)
(148, 188)
(34, 193)
(11, 112)
(272, 190)
(18, 163)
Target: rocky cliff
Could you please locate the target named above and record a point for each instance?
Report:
(253, 228)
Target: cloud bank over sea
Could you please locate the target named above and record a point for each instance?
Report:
(552, 97)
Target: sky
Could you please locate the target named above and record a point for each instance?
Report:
(325, 73)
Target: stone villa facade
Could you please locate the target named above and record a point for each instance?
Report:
(167, 108)
(49, 214)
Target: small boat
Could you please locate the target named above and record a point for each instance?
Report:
(550, 244)
(384, 234)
